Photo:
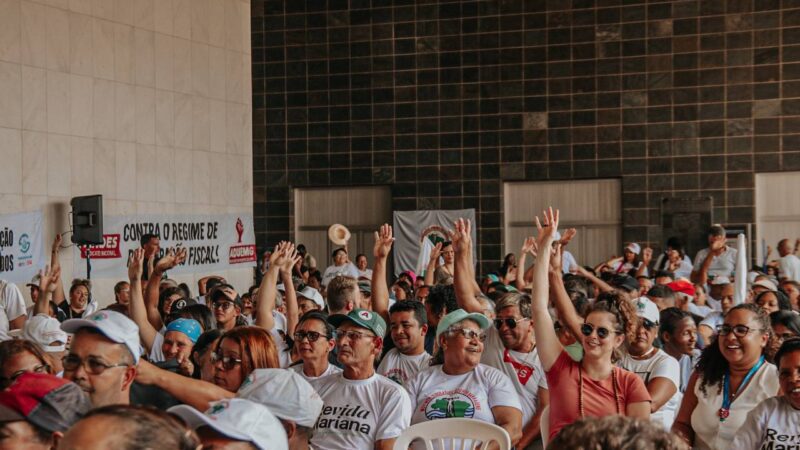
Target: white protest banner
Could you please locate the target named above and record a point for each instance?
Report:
(213, 242)
(416, 232)
(21, 249)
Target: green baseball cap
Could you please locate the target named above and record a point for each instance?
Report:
(363, 318)
(459, 315)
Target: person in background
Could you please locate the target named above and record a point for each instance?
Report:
(678, 333)
(37, 409)
(361, 265)
(708, 327)
(122, 293)
(408, 326)
(785, 325)
(789, 263)
(718, 260)
(201, 355)
(341, 266)
(792, 290)
(616, 433)
(46, 332)
(624, 264)
(674, 259)
(731, 378)
(21, 356)
(772, 301)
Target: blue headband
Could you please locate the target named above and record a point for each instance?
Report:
(189, 327)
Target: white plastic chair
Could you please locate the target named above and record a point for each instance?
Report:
(544, 425)
(446, 434)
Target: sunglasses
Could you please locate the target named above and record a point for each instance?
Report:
(510, 322)
(468, 333)
(223, 305)
(352, 335)
(739, 331)
(649, 324)
(228, 362)
(587, 329)
(312, 336)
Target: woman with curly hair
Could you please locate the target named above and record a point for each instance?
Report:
(731, 378)
(593, 386)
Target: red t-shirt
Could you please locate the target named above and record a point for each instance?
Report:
(598, 396)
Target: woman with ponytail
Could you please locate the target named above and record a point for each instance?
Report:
(731, 378)
(593, 386)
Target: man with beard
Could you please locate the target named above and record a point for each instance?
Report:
(408, 325)
(103, 356)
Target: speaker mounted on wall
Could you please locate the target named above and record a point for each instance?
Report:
(87, 220)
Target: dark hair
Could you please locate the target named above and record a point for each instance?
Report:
(669, 319)
(316, 274)
(13, 347)
(622, 310)
(78, 282)
(786, 318)
(147, 428)
(165, 294)
(41, 435)
(661, 291)
(201, 347)
(211, 283)
(321, 317)
(783, 300)
(411, 306)
(616, 433)
(360, 255)
(788, 346)
(442, 298)
(675, 243)
(118, 287)
(200, 313)
(186, 291)
(340, 249)
(573, 283)
(145, 239)
(664, 273)
(712, 365)
(406, 287)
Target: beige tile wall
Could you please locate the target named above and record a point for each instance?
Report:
(146, 102)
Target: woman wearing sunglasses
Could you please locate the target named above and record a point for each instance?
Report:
(594, 386)
(458, 385)
(314, 341)
(731, 378)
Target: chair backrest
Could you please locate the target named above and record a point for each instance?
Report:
(454, 434)
(544, 425)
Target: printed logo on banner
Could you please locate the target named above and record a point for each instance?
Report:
(241, 253)
(24, 259)
(108, 250)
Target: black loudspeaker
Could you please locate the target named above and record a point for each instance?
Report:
(87, 220)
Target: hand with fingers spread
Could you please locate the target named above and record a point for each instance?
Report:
(461, 236)
(546, 228)
(49, 279)
(436, 252)
(567, 236)
(556, 258)
(283, 256)
(171, 258)
(529, 246)
(383, 241)
(135, 265)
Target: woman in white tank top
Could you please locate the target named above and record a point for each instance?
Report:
(731, 378)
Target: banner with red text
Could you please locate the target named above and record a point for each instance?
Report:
(213, 242)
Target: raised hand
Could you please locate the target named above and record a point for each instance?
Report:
(171, 259)
(49, 279)
(647, 255)
(546, 228)
(436, 252)
(462, 235)
(288, 257)
(556, 260)
(135, 264)
(56, 243)
(529, 246)
(383, 241)
(567, 236)
(276, 254)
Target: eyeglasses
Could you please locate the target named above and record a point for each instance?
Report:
(587, 329)
(352, 335)
(648, 324)
(5, 382)
(510, 322)
(93, 365)
(228, 362)
(468, 333)
(223, 305)
(739, 331)
(784, 336)
(312, 336)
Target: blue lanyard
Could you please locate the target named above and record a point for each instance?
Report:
(726, 383)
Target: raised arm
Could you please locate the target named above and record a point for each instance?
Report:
(55, 265)
(436, 251)
(546, 340)
(380, 291)
(602, 285)
(716, 248)
(523, 278)
(647, 256)
(170, 259)
(197, 393)
(48, 280)
(290, 297)
(268, 290)
(463, 278)
(138, 310)
(558, 293)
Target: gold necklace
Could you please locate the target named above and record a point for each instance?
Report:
(580, 390)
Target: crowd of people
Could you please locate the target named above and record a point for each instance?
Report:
(654, 351)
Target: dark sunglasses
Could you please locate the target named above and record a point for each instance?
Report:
(312, 336)
(602, 333)
(510, 322)
(648, 324)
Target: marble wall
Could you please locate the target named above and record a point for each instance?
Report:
(147, 102)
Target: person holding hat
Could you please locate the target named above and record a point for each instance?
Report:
(362, 410)
(660, 372)
(290, 397)
(103, 356)
(718, 260)
(37, 409)
(458, 385)
(235, 421)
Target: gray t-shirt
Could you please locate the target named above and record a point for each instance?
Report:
(772, 424)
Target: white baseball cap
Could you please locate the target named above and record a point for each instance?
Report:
(769, 285)
(44, 330)
(285, 392)
(312, 294)
(646, 309)
(239, 419)
(113, 325)
(634, 248)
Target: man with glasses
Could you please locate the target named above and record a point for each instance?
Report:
(361, 409)
(103, 356)
(408, 327)
(227, 307)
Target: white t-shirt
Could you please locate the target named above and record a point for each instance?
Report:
(723, 265)
(156, 355)
(702, 311)
(772, 424)
(366, 273)
(683, 271)
(400, 368)
(12, 304)
(660, 365)
(331, 370)
(358, 413)
(687, 364)
(332, 272)
(472, 395)
(524, 370)
(568, 262)
(790, 267)
(712, 320)
(284, 356)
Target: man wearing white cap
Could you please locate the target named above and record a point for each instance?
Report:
(234, 421)
(103, 356)
(46, 332)
(289, 396)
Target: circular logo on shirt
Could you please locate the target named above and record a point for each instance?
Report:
(449, 405)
